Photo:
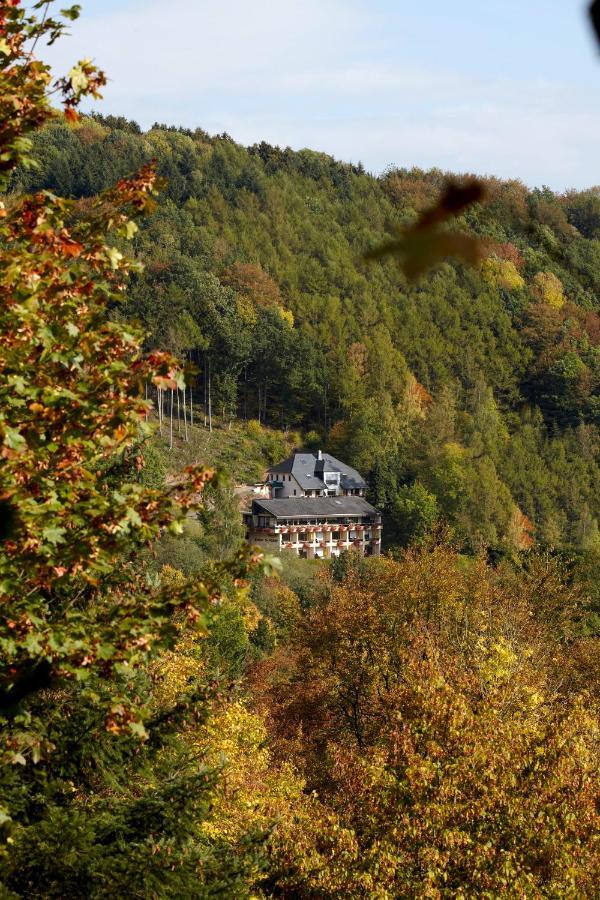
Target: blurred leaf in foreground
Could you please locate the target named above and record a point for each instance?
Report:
(595, 17)
(424, 244)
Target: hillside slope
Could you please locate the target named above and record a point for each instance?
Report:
(471, 397)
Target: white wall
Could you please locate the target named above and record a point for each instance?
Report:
(288, 486)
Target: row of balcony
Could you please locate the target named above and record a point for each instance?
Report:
(302, 529)
(353, 535)
(306, 544)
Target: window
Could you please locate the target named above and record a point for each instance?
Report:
(294, 492)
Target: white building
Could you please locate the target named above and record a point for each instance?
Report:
(314, 475)
(316, 508)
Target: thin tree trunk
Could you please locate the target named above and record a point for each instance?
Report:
(178, 414)
(171, 431)
(205, 388)
(191, 409)
(159, 405)
(185, 417)
(209, 398)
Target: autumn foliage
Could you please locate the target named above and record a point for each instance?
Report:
(437, 710)
(419, 725)
(79, 618)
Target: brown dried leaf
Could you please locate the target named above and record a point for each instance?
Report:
(424, 244)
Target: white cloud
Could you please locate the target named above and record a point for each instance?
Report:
(208, 44)
(314, 73)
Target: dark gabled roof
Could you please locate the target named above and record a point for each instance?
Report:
(308, 470)
(284, 466)
(315, 507)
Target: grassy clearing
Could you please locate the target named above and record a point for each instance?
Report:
(241, 449)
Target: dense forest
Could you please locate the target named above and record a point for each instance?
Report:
(183, 716)
(471, 396)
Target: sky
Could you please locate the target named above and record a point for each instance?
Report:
(498, 87)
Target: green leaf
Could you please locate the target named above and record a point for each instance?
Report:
(4, 816)
(72, 12)
(54, 534)
(78, 78)
(32, 644)
(131, 229)
(18, 382)
(132, 517)
(15, 440)
(138, 730)
(115, 256)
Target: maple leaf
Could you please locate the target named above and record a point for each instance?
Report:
(425, 243)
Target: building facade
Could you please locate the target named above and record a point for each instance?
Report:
(316, 509)
(314, 475)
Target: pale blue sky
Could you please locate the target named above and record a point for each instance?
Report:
(504, 87)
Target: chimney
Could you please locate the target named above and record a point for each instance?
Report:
(319, 455)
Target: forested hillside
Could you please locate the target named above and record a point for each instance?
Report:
(182, 715)
(471, 396)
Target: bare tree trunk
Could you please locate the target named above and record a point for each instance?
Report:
(191, 408)
(159, 405)
(171, 431)
(205, 388)
(178, 414)
(185, 428)
(209, 399)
